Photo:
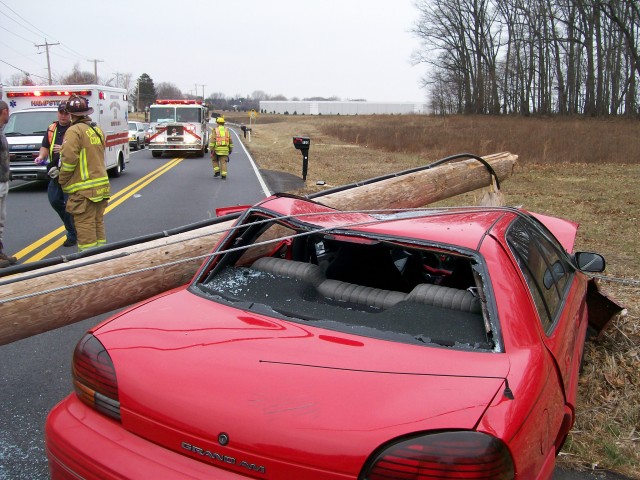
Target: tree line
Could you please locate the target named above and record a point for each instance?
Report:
(527, 57)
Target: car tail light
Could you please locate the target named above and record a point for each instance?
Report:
(94, 377)
(468, 455)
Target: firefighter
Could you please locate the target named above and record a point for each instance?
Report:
(83, 175)
(220, 146)
(50, 149)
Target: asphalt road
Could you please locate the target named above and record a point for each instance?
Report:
(155, 195)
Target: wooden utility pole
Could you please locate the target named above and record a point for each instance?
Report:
(84, 288)
(95, 69)
(47, 45)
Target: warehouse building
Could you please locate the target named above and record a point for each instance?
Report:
(304, 107)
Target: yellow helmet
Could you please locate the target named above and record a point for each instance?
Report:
(220, 120)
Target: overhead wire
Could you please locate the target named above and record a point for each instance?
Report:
(76, 56)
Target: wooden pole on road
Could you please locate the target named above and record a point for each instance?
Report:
(108, 281)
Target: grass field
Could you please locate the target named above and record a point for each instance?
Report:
(585, 170)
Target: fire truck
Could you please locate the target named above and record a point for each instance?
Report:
(178, 125)
(33, 108)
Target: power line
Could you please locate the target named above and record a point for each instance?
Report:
(21, 70)
(21, 18)
(13, 33)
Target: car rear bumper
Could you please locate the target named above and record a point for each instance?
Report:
(82, 443)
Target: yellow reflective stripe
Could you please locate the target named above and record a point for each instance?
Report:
(52, 142)
(85, 246)
(98, 182)
(68, 167)
(82, 162)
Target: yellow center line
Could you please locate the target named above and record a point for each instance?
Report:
(119, 198)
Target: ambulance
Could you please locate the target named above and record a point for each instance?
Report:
(33, 108)
(178, 125)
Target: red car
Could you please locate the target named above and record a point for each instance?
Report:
(321, 344)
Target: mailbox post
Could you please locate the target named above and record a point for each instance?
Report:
(303, 144)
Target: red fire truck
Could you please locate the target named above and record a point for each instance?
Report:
(178, 125)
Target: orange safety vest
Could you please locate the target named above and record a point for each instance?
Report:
(222, 137)
(52, 130)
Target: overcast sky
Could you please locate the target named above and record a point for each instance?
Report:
(352, 49)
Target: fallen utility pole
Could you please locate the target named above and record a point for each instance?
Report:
(107, 281)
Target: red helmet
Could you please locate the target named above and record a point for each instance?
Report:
(78, 106)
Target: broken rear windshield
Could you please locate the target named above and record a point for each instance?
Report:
(365, 286)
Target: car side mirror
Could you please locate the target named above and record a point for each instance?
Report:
(590, 262)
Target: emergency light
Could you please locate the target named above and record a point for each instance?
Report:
(178, 102)
(48, 93)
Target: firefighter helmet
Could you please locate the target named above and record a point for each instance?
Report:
(78, 106)
(220, 120)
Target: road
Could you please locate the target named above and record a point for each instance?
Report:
(152, 195)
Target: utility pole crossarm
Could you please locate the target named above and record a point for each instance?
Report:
(95, 69)
(47, 45)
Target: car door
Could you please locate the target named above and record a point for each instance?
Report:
(558, 294)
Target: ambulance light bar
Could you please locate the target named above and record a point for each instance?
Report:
(48, 93)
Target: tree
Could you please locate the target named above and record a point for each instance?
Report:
(77, 77)
(144, 93)
(166, 90)
(531, 56)
(20, 79)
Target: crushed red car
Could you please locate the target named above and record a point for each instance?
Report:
(322, 344)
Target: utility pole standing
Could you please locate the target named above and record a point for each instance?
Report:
(47, 45)
(95, 69)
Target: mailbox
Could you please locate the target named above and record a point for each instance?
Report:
(303, 144)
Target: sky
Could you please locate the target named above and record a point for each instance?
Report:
(350, 49)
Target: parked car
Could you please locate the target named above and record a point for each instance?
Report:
(136, 135)
(148, 131)
(321, 344)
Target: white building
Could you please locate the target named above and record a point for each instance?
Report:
(304, 107)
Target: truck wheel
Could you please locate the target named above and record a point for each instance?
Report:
(117, 170)
(156, 153)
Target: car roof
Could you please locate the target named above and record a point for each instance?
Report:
(465, 227)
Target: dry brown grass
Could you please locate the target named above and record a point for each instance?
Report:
(584, 170)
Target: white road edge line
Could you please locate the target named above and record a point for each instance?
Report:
(263, 184)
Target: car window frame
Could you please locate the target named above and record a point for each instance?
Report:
(541, 295)
(255, 222)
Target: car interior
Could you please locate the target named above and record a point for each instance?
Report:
(356, 284)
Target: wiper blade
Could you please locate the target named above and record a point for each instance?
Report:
(15, 134)
(39, 132)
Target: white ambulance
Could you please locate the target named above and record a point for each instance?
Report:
(33, 108)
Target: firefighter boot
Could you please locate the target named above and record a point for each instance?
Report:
(6, 260)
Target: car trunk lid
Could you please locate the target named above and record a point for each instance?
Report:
(256, 394)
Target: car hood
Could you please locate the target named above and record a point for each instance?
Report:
(283, 393)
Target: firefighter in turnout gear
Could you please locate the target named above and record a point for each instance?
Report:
(50, 149)
(220, 146)
(83, 175)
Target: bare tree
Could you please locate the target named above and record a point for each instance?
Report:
(77, 77)
(166, 90)
(531, 56)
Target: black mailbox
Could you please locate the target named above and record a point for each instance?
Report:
(303, 144)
